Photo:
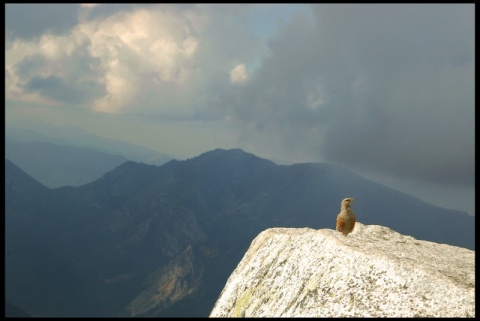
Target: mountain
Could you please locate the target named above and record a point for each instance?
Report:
(59, 165)
(79, 137)
(161, 241)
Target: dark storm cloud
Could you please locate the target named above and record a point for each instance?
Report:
(29, 21)
(56, 88)
(106, 10)
(70, 80)
(29, 66)
(377, 88)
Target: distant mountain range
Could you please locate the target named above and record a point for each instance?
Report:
(58, 165)
(78, 137)
(161, 241)
(69, 156)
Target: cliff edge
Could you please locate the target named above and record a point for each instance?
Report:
(372, 272)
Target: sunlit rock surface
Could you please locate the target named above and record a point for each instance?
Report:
(372, 272)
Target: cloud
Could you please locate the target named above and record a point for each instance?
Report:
(34, 68)
(137, 53)
(89, 5)
(30, 21)
(376, 88)
(134, 46)
(55, 88)
(238, 74)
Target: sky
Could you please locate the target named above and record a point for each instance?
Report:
(385, 90)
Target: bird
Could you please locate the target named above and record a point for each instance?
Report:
(346, 219)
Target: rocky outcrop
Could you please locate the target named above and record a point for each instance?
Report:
(372, 272)
(164, 287)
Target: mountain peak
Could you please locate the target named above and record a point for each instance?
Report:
(236, 154)
(222, 152)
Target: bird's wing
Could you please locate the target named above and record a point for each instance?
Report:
(340, 223)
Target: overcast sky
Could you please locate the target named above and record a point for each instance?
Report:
(384, 90)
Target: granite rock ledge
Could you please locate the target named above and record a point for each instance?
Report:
(372, 272)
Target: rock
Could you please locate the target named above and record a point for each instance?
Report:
(372, 272)
(169, 284)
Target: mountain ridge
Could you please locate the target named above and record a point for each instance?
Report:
(114, 233)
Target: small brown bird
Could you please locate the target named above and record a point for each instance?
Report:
(346, 219)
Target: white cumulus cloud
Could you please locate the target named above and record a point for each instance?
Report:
(238, 74)
(133, 45)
